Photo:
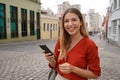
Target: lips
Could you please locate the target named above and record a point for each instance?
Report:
(71, 29)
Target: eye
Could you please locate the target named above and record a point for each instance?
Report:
(66, 20)
(74, 19)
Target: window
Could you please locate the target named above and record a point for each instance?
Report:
(13, 22)
(119, 21)
(51, 28)
(109, 31)
(24, 22)
(47, 26)
(115, 4)
(44, 27)
(2, 22)
(38, 20)
(54, 27)
(114, 24)
(119, 3)
(32, 23)
(38, 25)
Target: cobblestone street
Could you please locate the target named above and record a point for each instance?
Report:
(24, 60)
(109, 56)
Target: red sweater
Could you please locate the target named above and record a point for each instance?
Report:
(83, 55)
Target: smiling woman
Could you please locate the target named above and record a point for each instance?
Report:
(76, 55)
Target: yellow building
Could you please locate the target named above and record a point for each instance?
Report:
(49, 27)
(19, 20)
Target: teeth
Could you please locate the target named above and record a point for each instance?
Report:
(71, 28)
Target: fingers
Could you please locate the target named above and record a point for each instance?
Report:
(49, 57)
(65, 68)
(46, 54)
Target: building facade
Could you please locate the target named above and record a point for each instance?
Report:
(114, 22)
(19, 20)
(93, 22)
(49, 27)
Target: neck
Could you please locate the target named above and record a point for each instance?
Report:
(76, 37)
(74, 40)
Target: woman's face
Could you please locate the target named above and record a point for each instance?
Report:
(72, 23)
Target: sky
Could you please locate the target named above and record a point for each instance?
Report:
(100, 6)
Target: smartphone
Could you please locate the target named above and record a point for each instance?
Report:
(47, 50)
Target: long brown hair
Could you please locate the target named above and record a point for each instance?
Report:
(65, 37)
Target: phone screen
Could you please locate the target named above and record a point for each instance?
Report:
(47, 50)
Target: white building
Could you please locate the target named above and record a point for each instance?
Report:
(93, 21)
(64, 6)
(114, 22)
(76, 6)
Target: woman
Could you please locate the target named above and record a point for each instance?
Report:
(76, 55)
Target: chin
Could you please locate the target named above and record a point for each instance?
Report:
(72, 33)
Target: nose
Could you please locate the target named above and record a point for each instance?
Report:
(70, 23)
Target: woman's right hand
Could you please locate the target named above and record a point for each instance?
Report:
(50, 58)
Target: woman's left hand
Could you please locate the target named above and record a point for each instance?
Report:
(66, 68)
